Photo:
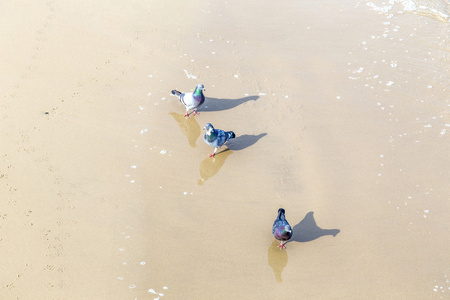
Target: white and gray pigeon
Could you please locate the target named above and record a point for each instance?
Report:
(191, 100)
(281, 229)
(216, 137)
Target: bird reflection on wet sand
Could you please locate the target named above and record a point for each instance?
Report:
(189, 126)
(209, 167)
(277, 260)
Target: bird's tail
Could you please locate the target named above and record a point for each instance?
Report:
(230, 135)
(176, 93)
(281, 213)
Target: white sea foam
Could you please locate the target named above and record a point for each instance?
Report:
(381, 9)
(436, 9)
(189, 75)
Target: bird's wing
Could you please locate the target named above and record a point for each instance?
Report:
(188, 100)
(221, 137)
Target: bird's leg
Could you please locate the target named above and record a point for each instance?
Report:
(214, 153)
(195, 113)
(187, 114)
(282, 246)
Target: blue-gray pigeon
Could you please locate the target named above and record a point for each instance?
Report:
(216, 137)
(191, 100)
(281, 229)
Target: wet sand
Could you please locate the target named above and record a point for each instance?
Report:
(341, 112)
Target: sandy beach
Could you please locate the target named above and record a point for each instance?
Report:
(342, 117)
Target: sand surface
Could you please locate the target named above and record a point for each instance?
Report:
(341, 111)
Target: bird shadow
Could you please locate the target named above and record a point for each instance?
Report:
(189, 126)
(307, 230)
(277, 260)
(218, 104)
(244, 141)
(210, 166)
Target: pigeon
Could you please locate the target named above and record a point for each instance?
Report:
(191, 100)
(216, 137)
(281, 229)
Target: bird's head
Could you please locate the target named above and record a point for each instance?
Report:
(287, 232)
(200, 87)
(208, 127)
(288, 228)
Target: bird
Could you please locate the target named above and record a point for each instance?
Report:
(281, 229)
(191, 100)
(216, 137)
